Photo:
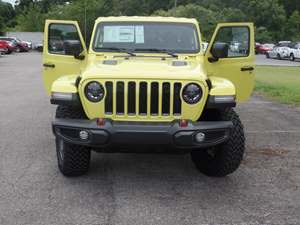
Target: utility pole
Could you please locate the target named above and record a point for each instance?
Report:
(85, 23)
(175, 7)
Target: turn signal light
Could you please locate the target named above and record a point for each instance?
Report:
(100, 122)
(183, 123)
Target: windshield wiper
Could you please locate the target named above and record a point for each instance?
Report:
(128, 51)
(158, 51)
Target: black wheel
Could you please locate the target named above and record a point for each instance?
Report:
(18, 49)
(267, 55)
(292, 57)
(278, 57)
(73, 160)
(224, 159)
(69, 112)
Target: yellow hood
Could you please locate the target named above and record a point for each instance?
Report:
(145, 68)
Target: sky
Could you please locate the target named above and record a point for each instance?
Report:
(10, 1)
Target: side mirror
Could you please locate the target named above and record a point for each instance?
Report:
(219, 50)
(73, 47)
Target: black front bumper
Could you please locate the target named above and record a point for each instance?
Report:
(114, 133)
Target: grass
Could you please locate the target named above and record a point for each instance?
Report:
(279, 83)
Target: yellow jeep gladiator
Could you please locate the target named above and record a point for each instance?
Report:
(145, 82)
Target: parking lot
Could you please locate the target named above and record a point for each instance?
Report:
(140, 189)
(261, 60)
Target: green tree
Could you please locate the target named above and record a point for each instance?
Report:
(84, 12)
(47, 4)
(268, 13)
(293, 26)
(7, 15)
(21, 5)
(31, 19)
(290, 5)
(274, 19)
(233, 15)
(263, 35)
(1, 25)
(206, 18)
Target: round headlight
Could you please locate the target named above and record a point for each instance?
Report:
(192, 93)
(94, 91)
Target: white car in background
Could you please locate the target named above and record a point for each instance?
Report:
(295, 51)
(204, 46)
(280, 51)
(29, 44)
(234, 46)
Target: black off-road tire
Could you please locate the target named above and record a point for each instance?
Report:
(292, 57)
(70, 112)
(73, 160)
(278, 57)
(224, 159)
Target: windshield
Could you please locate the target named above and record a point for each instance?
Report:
(268, 46)
(146, 37)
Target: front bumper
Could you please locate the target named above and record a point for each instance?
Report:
(114, 133)
(3, 50)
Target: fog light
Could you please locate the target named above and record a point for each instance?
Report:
(84, 135)
(200, 137)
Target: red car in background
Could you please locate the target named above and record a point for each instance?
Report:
(3, 47)
(263, 49)
(8, 46)
(19, 45)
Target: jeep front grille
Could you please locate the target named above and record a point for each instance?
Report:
(141, 98)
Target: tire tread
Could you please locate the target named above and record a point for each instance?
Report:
(229, 155)
(76, 158)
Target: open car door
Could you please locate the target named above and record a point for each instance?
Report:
(64, 50)
(231, 55)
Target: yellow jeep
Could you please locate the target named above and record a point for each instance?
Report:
(145, 82)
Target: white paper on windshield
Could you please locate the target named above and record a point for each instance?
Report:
(118, 34)
(139, 35)
(124, 34)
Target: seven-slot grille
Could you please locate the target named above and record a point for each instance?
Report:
(141, 98)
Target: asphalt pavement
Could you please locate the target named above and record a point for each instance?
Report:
(140, 189)
(262, 60)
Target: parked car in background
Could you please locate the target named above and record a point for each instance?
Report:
(284, 43)
(29, 44)
(3, 47)
(20, 45)
(39, 47)
(56, 44)
(263, 49)
(280, 51)
(234, 46)
(204, 46)
(10, 46)
(257, 45)
(295, 51)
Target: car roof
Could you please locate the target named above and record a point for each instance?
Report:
(294, 44)
(11, 38)
(146, 19)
